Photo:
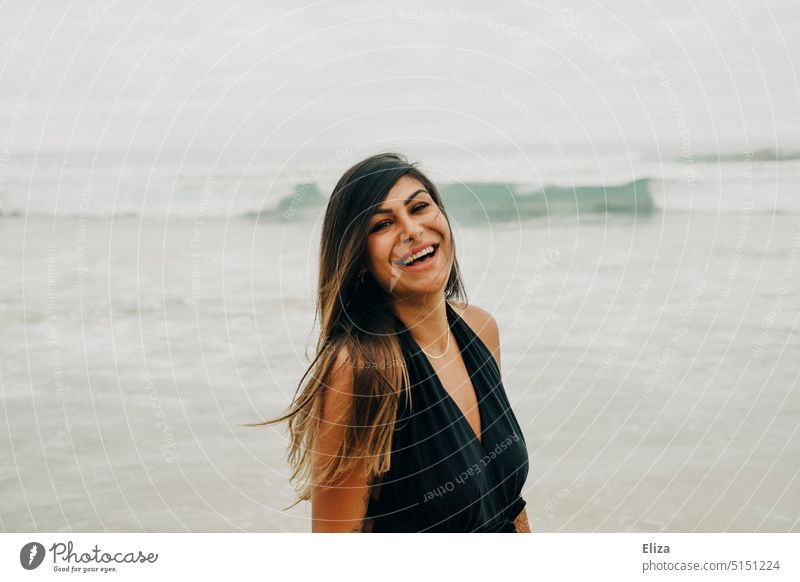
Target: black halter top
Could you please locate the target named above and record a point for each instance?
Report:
(442, 478)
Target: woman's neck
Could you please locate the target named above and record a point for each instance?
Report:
(426, 320)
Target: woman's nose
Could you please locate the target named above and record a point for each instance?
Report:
(409, 227)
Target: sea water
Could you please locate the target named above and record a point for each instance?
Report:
(651, 361)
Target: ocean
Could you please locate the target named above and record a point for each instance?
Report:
(651, 361)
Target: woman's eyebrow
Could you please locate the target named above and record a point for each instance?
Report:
(409, 199)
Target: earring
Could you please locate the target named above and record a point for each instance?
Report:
(361, 275)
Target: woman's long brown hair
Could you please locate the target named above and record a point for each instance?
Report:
(357, 319)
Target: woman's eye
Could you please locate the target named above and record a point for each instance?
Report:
(418, 208)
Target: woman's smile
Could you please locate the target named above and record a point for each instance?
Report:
(409, 231)
(419, 255)
(419, 260)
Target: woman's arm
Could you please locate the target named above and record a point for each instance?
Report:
(521, 523)
(339, 508)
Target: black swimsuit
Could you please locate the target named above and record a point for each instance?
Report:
(442, 478)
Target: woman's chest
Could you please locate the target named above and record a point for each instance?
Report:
(449, 484)
(452, 383)
(443, 461)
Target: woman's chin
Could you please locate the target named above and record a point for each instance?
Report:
(432, 287)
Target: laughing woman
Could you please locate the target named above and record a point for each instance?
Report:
(402, 423)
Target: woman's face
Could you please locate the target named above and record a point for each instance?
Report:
(406, 222)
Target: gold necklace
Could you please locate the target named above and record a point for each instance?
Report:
(447, 349)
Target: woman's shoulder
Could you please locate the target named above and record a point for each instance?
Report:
(482, 323)
(476, 317)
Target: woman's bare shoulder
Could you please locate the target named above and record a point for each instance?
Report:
(473, 315)
(482, 323)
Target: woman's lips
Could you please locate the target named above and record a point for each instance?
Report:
(402, 260)
(426, 264)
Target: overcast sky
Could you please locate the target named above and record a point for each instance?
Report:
(119, 75)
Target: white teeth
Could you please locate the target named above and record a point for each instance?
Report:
(418, 255)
